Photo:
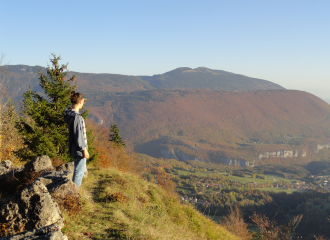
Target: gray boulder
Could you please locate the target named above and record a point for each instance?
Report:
(52, 232)
(11, 219)
(33, 208)
(5, 167)
(69, 167)
(66, 166)
(39, 208)
(30, 170)
(60, 186)
(41, 163)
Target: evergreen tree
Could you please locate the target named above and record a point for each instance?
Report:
(41, 124)
(115, 137)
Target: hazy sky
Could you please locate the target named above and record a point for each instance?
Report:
(286, 42)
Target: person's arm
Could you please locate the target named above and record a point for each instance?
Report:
(79, 136)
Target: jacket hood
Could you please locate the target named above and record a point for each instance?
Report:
(69, 113)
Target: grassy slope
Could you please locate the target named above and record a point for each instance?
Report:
(143, 211)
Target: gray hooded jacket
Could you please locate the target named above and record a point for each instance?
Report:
(76, 126)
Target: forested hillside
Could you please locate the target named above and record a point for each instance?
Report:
(208, 124)
(193, 121)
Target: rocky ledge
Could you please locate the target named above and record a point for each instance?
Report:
(32, 198)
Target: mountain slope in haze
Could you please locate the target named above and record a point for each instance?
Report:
(327, 100)
(208, 124)
(204, 78)
(21, 77)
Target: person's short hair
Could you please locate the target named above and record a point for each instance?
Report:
(76, 97)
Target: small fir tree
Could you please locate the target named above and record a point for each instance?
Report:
(41, 124)
(115, 137)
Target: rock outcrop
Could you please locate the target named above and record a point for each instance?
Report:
(33, 212)
(236, 162)
(42, 163)
(60, 186)
(51, 232)
(5, 167)
(177, 154)
(321, 146)
(283, 154)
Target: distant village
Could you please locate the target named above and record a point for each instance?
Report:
(322, 181)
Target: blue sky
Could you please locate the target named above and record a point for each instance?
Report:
(286, 42)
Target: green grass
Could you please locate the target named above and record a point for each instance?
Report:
(269, 189)
(123, 206)
(247, 179)
(201, 174)
(186, 190)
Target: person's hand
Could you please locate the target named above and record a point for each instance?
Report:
(86, 154)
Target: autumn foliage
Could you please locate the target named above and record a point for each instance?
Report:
(112, 155)
(10, 141)
(165, 181)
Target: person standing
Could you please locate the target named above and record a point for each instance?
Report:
(77, 136)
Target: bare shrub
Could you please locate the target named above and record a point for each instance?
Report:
(270, 230)
(117, 197)
(235, 224)
(320, 238)
(111, 155)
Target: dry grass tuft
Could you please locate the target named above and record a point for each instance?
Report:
(56, 162)
(30, 177)
(141, 199)
(5, 228)
(9, 229)
(70, 204)
(117, 197)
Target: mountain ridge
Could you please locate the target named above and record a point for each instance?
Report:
(21, 77)
(211, 79)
